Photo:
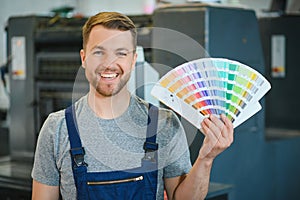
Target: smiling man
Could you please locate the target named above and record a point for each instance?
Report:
(111, 144)
(110, 61)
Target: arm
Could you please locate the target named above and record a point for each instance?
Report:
(218, 136)
(45, 174)
(45, 192)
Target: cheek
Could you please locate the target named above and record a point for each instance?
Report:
(90, 73)
(87, 74)
(129, 65)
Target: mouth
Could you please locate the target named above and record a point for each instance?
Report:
(108, 75)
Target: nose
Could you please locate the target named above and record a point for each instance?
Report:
(108, 59)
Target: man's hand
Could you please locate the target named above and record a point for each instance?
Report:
(218, 136)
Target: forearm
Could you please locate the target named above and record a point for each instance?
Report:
(45, 192)
(218, 136)
(195, 185)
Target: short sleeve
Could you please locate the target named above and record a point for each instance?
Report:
(178, 159)
(44, 168)
(179, 167)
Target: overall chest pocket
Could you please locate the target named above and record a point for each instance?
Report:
(116, 186)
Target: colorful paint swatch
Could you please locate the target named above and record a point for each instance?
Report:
(216, 86)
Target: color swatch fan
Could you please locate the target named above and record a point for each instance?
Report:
(207, 86)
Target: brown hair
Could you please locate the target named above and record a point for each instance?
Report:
(110, 20)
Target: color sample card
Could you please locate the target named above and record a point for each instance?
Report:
(216, 86)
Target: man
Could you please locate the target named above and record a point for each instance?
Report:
(121, 146)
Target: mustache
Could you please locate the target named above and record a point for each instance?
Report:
(102, 69)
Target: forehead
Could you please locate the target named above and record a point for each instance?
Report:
(109, 38)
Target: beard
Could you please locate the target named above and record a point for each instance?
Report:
(109, 90)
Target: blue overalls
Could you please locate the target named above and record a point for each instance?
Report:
(137, 183)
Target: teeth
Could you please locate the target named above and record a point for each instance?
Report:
(109, 75)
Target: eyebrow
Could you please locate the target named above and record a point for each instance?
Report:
(97, 47)
(118, 49)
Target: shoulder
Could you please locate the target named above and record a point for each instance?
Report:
(55, 123)
(164, 113)
(168, 121)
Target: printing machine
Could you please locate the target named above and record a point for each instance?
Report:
(45, 75)
(204, 30)
(280, 39)
(43, 72)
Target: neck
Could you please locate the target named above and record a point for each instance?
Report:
(109, 107)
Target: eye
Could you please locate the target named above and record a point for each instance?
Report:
(98, 53)
(122, 53)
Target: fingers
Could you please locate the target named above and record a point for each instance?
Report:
(219, 128)
(229, 127)
(218, 124)
(208, 128)
(218, 136)
(226, 121)
(213, 124)
(211, 127)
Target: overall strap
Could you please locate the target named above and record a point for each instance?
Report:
(79, 167)
(150, 160)
(77, 151)
(150, 145)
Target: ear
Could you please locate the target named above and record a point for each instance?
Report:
(134, 61)
(82, 56)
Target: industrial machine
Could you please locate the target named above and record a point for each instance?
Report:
(281, 45)
(46, 73)
(195, 30)
(45, 61)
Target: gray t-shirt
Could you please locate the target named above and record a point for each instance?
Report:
(110, 144)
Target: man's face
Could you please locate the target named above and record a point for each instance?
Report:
(108, 60)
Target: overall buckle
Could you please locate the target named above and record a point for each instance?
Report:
(78, 156)
(150, 151)
(149, 156)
